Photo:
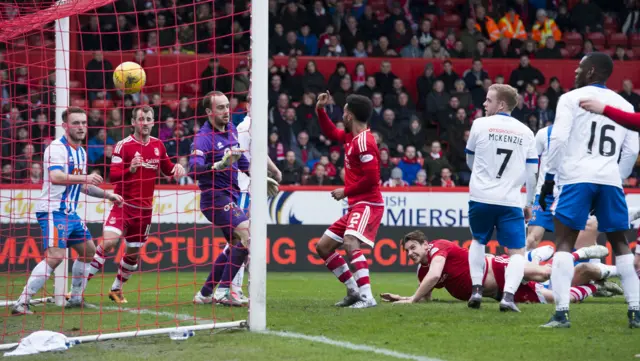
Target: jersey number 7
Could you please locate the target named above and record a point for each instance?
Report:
(508, 153)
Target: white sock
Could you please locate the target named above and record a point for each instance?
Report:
(238, 279)
(79, 273)
(606, 271)
(37, 279)
(514, 273)
(629, 280)
(595, 261)
(561, 277)
(476, 262)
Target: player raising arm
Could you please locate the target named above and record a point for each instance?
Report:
(362, 188)
(134, 171)
(501, 154)
(588, 156)
(65, 176)
(629, 120)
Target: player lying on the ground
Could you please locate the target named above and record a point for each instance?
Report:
(444, 264)
(134, 171)
(362, 190)
(215, 149)
(65, 176)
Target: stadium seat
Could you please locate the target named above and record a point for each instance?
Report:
(378, 5)
(572, 39)
(450, 21)
(75, 84)
(102, 104)
(565, 53)
(173, 104)
(636, 52)
(610, 23)
(618, 39)
(433, 18)
(78, 102)
(631, 54)
(597, 39)
(440, 34)
(574, 50)
(446, 5)
(635, 40)
(169, 88)
(609, 51)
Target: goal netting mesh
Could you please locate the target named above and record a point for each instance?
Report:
(59, 54)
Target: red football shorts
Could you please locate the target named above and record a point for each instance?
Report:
(361, 221)
(132, 223)
(526, 293)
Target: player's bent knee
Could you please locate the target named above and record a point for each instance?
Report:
(326, 245)
(55, 256)
(110, 240)
(351, 243)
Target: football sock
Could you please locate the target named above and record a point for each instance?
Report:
(359, 263)
(514, 273)
(629, 280)
(337, 265)
(37, 279)
(579, 293)
(561, 276)
(237, 255)
(128, 264)
(97, 263)
(216, 274)
(79, 274)
(476, 262)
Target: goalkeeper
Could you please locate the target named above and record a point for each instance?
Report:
(215, 150)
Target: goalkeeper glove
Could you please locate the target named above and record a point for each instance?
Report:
(230, 157)
(272, 187)
(547, 189)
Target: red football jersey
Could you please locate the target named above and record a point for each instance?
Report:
(137, 188)
(456, 276)
(361, 161)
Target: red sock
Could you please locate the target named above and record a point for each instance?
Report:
(576, 257)
(359, 263)
(97, 263)
(337, 265)
(128, 265)
(579, 293)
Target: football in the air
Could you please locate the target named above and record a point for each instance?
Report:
(129, 77)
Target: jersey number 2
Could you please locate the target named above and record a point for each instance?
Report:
(508, 153)
(603, 139)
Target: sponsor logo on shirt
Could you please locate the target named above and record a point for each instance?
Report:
(156, 151)
(364, 158)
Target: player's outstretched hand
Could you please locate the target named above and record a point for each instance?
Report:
(592, 105)
(115, 198)
(323, 99)
(547, 189)
(390, 297)
(178, 171)
(94, 179)
(338, 194)
(272, 187)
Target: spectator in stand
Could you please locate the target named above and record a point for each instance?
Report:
(319, 17)
(35, 174)
(309, 40)
(335, 157)
(463, 95)
(333, 48)
(293, 46)
(40, 131)
(383, 49)
(350, 35)
(545, 114)
(369, 87)
(7, 174)
(293, 16)
(416, 136)
(335, 78)
(474, 78)
(385, 165)
(437, 100)
(550, 50)
(554, 92)
(306, 115)
(448, 76)
(631, 23)
(378, 109)
(396, 179)
(587, 17)
(587, 47)
(185, 115)
(116, 128)
(401, 36)
(524, 74)
(360, 51)
(94, 122)
(459, 159)
(458, 51)
(421, 179)
(369, 23)
(319, 177)
(391, 133)
(529, 49)
(99, 78)
(385, 77)
(334, 111)
(339, 181)
(424, 85)
(329, 169)
(215, 77)
(23, 163)
(435, 161)
(563, 19)
(511, 26)
(292, 80)
(533, 122)
(520, 112)
(96, 145)
(410, 164)
(486, 25)
(241, 82)
(412, 50)
(289, 128)
(404, 109)
(359, 76)
(291, 169)
(278, 41)
(620, 54)
(545, 28)
(435, 51)
(379, 141)
(276, 149)
(313, 80)
(425, 34)
(447, 116)
(90, 35)
(470, 36)
(505, 50)
(391, 99)
(338, 14)
(444, 180)
(629, 95)
(178, 145)
(275, 89)
(185, 179)
(340, 97)
(530, 97)
(161, 110)
(305, 151)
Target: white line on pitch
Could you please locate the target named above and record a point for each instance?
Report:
(350, 346)
(143, 311)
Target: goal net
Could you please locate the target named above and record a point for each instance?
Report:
(55, 55)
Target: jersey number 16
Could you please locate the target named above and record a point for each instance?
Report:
(603, 139)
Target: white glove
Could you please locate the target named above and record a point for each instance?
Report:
(230, 156)
(272, 187)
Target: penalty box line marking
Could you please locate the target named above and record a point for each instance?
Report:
(300, 336)
(350, 346)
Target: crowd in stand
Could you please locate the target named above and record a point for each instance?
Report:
(421, 138)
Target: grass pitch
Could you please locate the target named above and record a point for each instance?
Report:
(302, 303)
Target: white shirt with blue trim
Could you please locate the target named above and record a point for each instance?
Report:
(244, 142)
(502, 146)
(73, 161)
(590, 148)
(542, 148)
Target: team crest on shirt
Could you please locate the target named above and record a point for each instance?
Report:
(112, 220)
(61, 227)
(220, 145)
(156, 151)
